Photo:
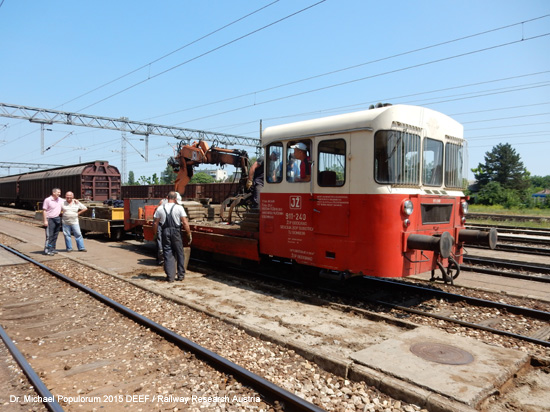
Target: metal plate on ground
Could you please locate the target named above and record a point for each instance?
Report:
(441, 353)
(468, 383)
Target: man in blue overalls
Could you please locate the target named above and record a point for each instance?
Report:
(172, 217)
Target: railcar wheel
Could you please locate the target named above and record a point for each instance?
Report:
(117, 234)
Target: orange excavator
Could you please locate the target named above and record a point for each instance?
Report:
(199, 153)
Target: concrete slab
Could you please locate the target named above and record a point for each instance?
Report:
(8, 259)
(102, 254)
(468, 383)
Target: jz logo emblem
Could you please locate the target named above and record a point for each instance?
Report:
(295, 202)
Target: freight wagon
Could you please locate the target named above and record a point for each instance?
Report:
(97, 181)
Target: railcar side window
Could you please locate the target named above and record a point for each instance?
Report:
(332, 163)
(396, 157)
(454, 165)
(299, 161)
(274, 163)
(432, 162)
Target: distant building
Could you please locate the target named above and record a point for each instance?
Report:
(218, 174)
(542, 196)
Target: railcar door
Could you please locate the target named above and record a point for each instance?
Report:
(331, 201)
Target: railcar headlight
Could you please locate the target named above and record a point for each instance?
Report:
(464, 207)
(408, 207)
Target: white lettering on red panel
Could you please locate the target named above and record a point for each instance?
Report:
(295, 202)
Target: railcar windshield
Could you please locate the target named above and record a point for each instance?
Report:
(397, 157)
(432, 162)
(454, 165)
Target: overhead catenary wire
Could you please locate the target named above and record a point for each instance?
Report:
(204, 54)
(169, 54)
(372, 102)
(392, 99)
(354, 66)
(414, 66)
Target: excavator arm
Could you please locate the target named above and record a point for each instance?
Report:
(199, 153)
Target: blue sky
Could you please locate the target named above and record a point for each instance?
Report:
(485, 63)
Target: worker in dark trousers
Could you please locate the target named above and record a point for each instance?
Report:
(256, 179)
(173, 218)
(52, 209)
(158, 238)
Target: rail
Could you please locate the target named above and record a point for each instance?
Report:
(290, 401)
(36, 382)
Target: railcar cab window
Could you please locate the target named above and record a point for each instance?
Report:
(432, 162)
(332, 163)
(454, 165)
(396, 157)
(274, 163)
(299, 161)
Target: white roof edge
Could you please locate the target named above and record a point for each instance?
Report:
(361, 120)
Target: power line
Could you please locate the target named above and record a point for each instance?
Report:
(415, 66)
(391, 99)
(510, 90)
(508, 126)
(507, 118)
(500, 108)
(171, 53)
(514, 144)
(353, 67)
(521, 134)
(204, 54)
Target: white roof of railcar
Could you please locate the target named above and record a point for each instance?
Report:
(415, 115)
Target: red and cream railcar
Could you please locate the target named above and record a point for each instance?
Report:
(377, 192)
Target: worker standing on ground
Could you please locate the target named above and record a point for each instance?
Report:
(71, 210)
(51, 210)
(173, 218)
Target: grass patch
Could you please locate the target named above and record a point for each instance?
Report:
(499, 210)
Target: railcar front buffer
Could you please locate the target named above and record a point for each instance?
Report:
(442, 246)
(479, 237)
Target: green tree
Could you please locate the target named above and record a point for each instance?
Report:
(168, 177)
(131, 179)
(202, 178)
(153, 180)
(503, 165)
(494, 194)
(539, 183)
(502, 179)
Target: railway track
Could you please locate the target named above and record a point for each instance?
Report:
(534, 231)
(506, 218)
(486, 262)
(320, 302)
(498, 307)
(375, 294)
(52, 315)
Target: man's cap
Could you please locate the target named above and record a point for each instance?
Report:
(301, 146)
(178, 199)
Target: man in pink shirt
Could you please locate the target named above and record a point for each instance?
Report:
(52, 220)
